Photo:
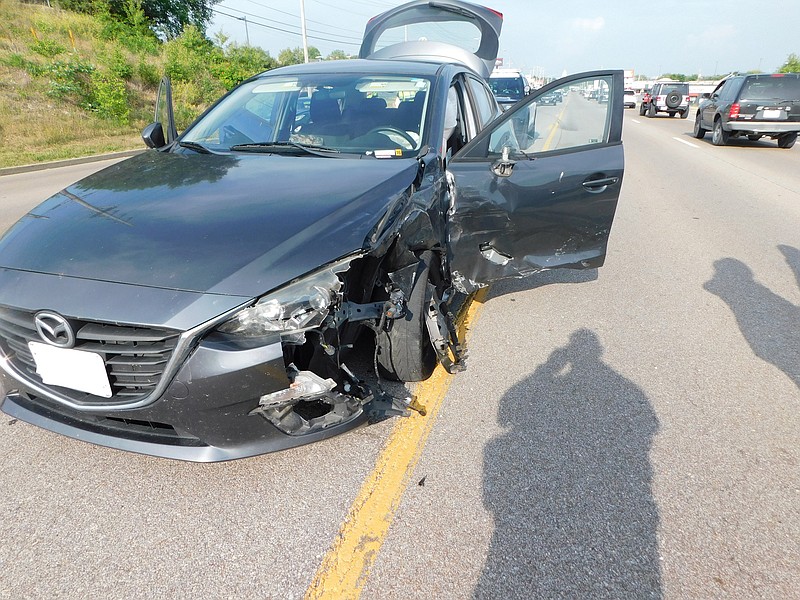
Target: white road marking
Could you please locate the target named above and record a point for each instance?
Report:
(677, 139)
(635, 121)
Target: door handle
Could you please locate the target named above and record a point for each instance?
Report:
(599, 185)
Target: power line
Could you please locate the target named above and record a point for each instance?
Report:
(283, 12)
(273, 28)
(249, 14)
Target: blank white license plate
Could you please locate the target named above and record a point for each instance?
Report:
(772, 114)
(70, 368)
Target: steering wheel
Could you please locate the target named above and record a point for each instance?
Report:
(396, 131)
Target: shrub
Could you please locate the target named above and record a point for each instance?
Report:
(109, 97)
(69, 79)
(119, 65)
(47, 48)
(148, 74)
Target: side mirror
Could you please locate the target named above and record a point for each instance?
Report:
(706, 96)
(527, 90)
(153, 136)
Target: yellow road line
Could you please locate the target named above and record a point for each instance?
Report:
(554, 128)
(346, 567)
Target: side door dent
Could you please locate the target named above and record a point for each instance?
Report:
(553, 202)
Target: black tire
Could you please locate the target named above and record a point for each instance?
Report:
(787, 140)
(685, 114)
(642, 109)
(674, 99)
(719, 137)
(699, 132)
(754, 137)
(405, 352)
(651, 110)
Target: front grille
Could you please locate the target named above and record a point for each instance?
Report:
(135, 357)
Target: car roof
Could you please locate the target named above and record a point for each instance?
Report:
(365, 66)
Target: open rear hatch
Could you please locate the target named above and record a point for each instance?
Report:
(437, 30)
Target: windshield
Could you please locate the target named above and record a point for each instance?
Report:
(375, 115)
(509, 87)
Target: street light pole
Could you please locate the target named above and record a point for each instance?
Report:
(303, 28)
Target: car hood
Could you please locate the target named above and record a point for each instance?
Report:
(219, 224)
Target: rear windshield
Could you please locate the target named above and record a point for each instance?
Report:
(771, 88)
(630, 93)
(681, 88)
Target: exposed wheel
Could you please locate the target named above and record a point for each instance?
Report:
(685, 114)
(651, 110)
(405, 351)
(754, 137)
(674, 99)
(642, 108)
(699, 132)
(787, 140)
(719, 137)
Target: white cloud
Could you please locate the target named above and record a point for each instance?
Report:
(595, 24)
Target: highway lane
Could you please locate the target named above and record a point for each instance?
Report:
(626, 433)
(635, 436)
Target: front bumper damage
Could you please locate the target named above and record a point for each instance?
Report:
(226, 400)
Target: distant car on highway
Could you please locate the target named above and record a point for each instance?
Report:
(671, 97)
(508, 86)
(548, 99)
(752, 106)
(629, 99)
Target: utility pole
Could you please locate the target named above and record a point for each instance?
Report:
(246, 30)
(303, 28)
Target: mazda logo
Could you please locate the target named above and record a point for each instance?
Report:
(54, 329)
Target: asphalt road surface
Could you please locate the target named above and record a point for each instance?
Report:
(632, 432)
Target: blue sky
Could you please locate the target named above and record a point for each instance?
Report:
(704, 36)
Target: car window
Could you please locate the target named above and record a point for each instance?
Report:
(543, 127)
(483, 101)
(374, 115)
(666, 88)
(728, 91)
(771, 88)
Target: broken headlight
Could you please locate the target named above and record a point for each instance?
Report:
(298, 307)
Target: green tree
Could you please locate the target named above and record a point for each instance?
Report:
(238, 63)
(166, 17)
(294, 56)
(337, 55)
(792, 64)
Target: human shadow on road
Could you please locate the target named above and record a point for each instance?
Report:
(769, 322)
(569, 484)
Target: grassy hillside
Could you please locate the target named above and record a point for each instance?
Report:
(74, 84)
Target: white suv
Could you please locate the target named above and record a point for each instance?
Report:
(670, 97)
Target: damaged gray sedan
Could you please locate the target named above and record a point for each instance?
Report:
(202, 300)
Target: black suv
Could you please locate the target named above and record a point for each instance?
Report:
(670, 97)
(752, 106)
